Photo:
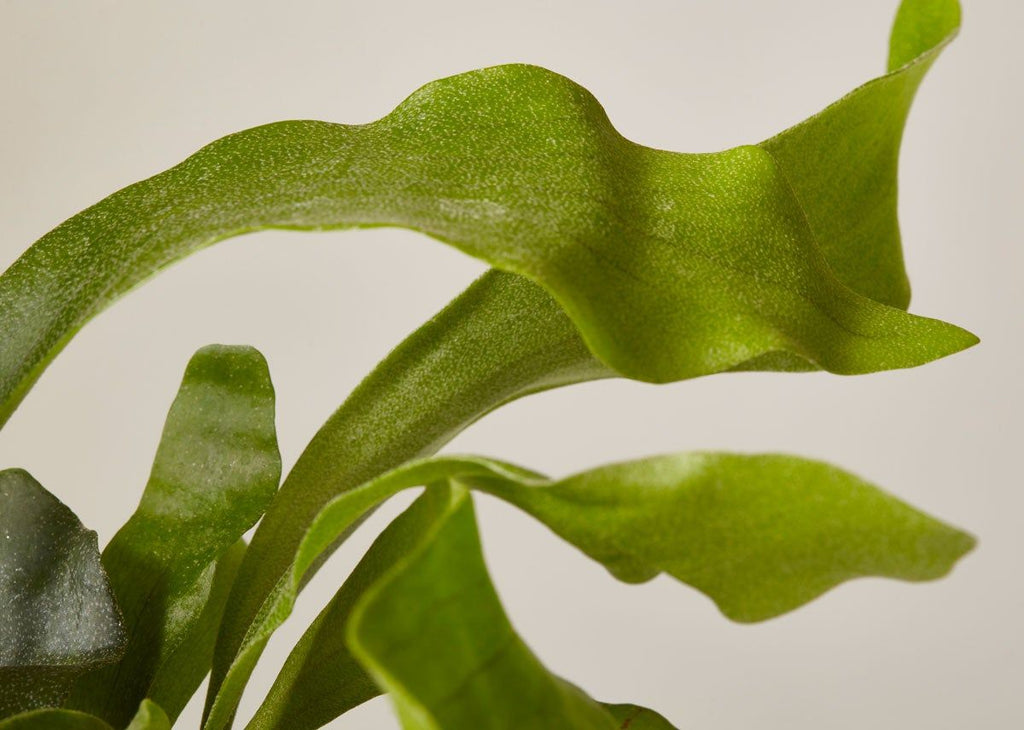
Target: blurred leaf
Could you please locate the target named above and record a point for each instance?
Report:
(216, 469)
(58, 616)
(150, 717)
(53, 719)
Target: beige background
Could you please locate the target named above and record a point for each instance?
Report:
(98, 94)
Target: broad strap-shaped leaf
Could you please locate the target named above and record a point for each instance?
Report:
(184, 669)
(671, 265)
(841, 163)
(760, 535)
(505, 337)
(149, 717)
(321, 679)
(58, 615)
(433, 634)
(216, 470)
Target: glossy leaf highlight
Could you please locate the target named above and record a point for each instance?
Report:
(58, 615)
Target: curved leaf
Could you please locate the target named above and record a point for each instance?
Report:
(58, 615)
(149, 717)
(53, 719)
(321, 679)
(671, 265)
(634, 717)
(760, 535)
(184, 669)
(505, 337)
(216, 470)
(433, 634)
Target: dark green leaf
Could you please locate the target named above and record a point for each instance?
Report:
(216, 469)
(321, 679)
(150, 717)
(58, 616)
(184, 669)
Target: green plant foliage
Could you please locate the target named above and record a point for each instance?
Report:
(760, 535)
(505, 337)
(216, 469)
(611, 259)
(148, 717)
(58, 616)
(433, 634)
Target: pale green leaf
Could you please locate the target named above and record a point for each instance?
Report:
(58, 615)
(216, 469)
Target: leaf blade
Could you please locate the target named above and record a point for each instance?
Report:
(58, 614)
(216, 469)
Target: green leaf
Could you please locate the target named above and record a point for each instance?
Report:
(150, 717)
(841, 164)
(321, 679)
(58, 616)
(52, 719)
(434, 635)
(216, 470)
(635, 717)
(505, 337)
(671, 265)
(760, 535)
(184, 669)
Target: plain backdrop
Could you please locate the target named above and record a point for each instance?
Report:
(96, 95)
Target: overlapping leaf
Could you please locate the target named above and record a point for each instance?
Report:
(148, 717)
(58, 615)
(434, 635)
(760, 535)
(506, 337)
(215, 471)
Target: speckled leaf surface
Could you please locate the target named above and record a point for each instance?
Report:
(506, 336)
(148, 717)
(58, 616)
(216, 469)
(759, 534)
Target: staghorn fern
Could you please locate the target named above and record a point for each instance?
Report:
(611, 259)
